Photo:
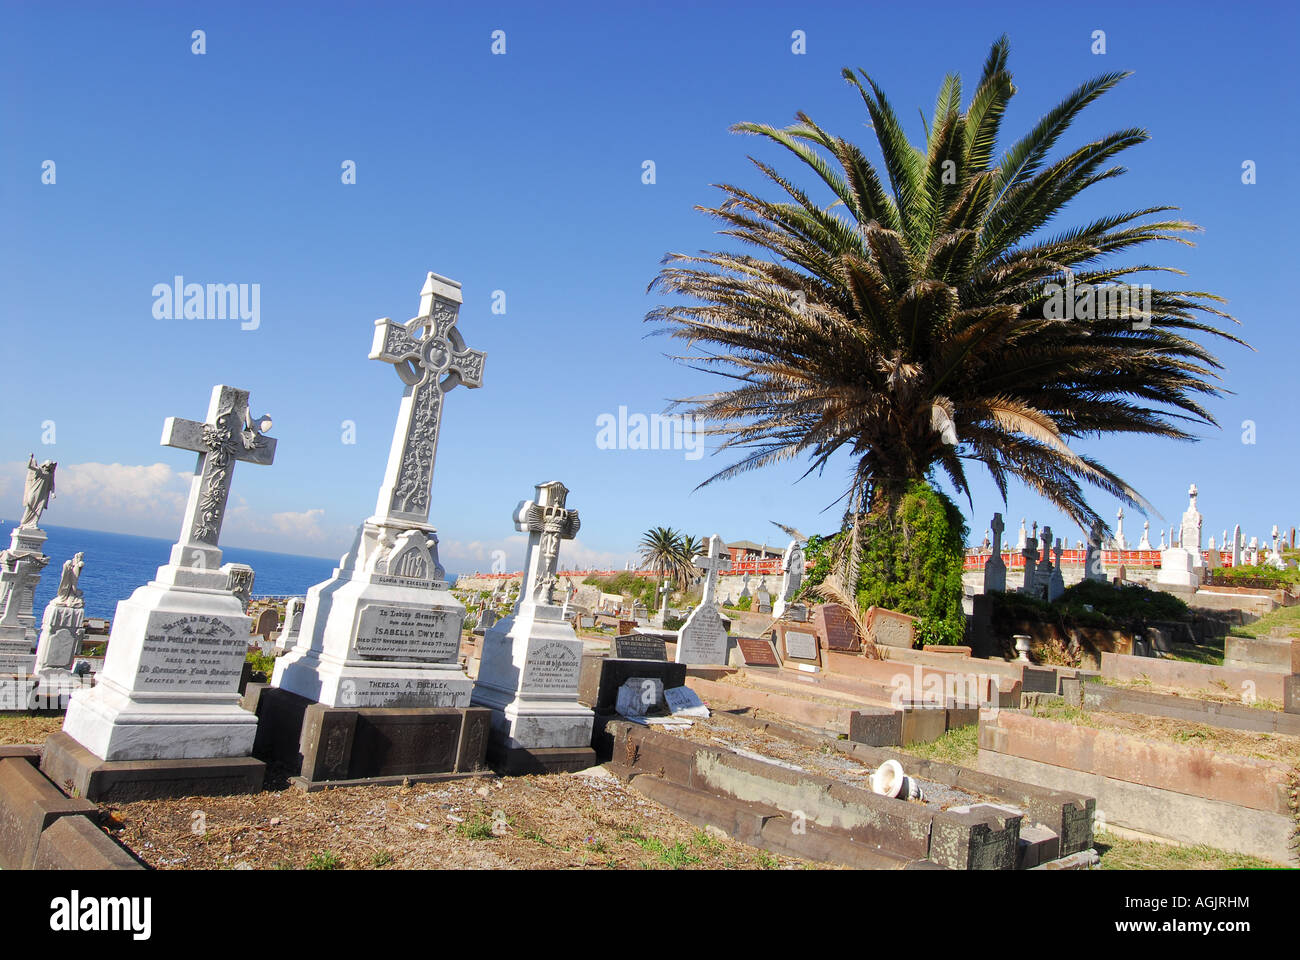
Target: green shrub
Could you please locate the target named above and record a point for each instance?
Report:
(912, 562)
(1271, 574)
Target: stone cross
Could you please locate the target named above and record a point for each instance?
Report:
(995, 568)
(547, 522)
(229, 435)
(792, 566)
(13, 581)
(713, 563)
(997, 526)
(430, 357)
(1120, 542)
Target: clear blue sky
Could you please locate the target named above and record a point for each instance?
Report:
(523, 173)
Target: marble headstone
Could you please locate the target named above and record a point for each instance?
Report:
(532, 658)
(384, 629)
(169, 688)
(703, 638)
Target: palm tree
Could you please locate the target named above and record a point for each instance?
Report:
(691, 547)
(661, 549)
(917, 326)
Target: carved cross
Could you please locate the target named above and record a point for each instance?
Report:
(229, 435)
(997, 526)
(712, 563)
(547, 522)
(430, 357)
(15, 575)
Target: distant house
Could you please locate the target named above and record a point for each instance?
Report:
(748, 552)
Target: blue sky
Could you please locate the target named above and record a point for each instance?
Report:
(522, 173)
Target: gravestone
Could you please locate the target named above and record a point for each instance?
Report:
(1093, 568)
(835, 626)
(16, 573)
(891, 629)
(1030, 554)
(798, 646)
(1181, 565)
(268, 622)
(665, 590)
(288, 637)
(995, 568)
(684, 702)
(703, 638)
(1043, 575)
(1056, 580)
(757, 652)
(26, 543)
(384, 630)
(63, 626)
(792, 571)
(239, 581)
(168, 693)
(530, 669)
(639, 696)
(763, 598)
(640, 647)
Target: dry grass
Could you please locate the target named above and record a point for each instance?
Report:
(538, 822)
(28, 729)
(1122, 854)
(1243, 743)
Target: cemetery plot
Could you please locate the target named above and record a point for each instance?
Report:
(1192, 783)
(541, 822)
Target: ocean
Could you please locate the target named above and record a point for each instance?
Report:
(117, 563)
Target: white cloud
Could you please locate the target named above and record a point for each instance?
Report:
(149, 500)
(149, 497)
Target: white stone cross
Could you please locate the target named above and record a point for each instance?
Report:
(13, 582)
(712, 563)
(430, 356)
(229, 435)
(547, 522)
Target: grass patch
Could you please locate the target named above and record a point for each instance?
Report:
(1118, 853)
(959, 746)
(381, 858)
(676, 856)
(707, 843)
(766, 861)
(1285, 617)
(324, 861)
(478, 827)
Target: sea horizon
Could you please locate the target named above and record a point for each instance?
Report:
(117, 563)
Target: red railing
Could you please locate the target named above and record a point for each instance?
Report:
(975, 560)
(752, 567)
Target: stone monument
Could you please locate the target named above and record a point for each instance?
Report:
(26, 542)
(1093, 567)
(384, 630)
(995, 568)
(532, 659)
(1181, 566)
(63, 626)
(169, 690)
(703, 638)
(792, 570)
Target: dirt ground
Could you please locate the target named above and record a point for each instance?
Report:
(20, 729)
(561, 821)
